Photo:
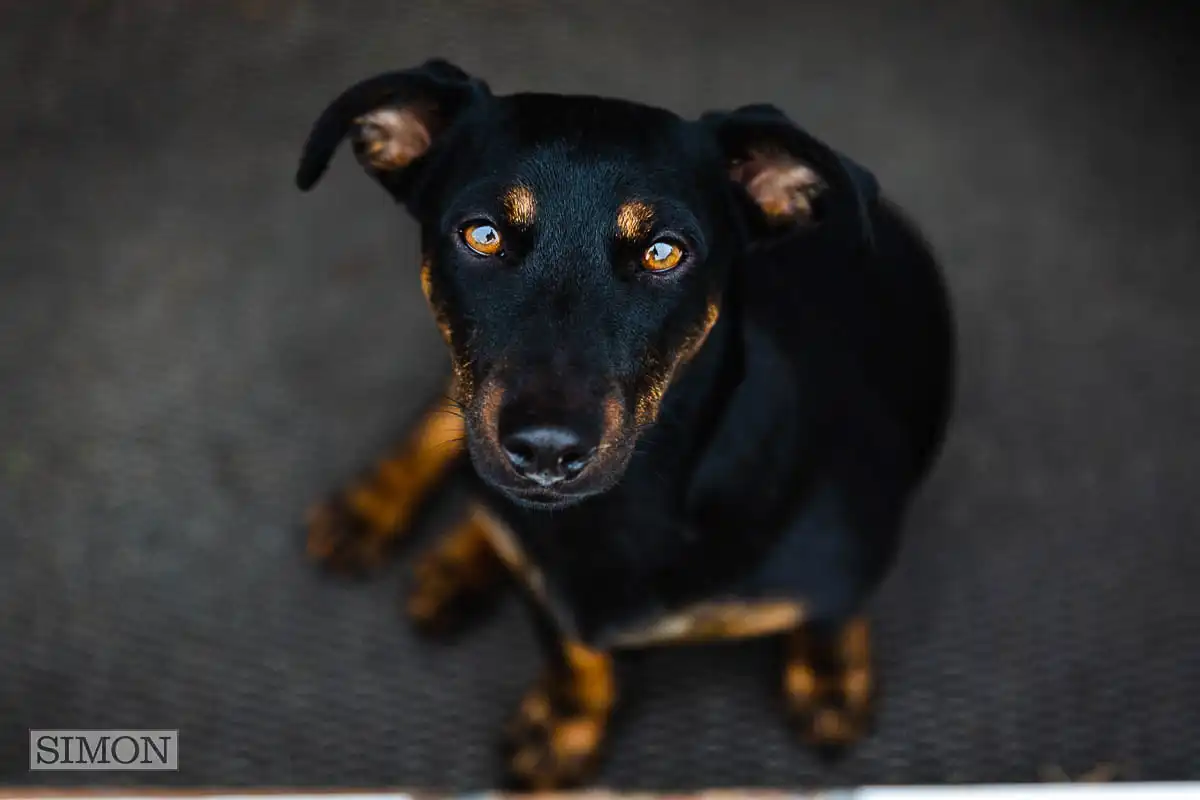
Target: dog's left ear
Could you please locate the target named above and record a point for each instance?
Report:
(393, 121)
(794, 180)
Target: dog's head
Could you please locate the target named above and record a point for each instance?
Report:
(575, 250)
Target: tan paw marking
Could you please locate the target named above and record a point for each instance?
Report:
(354, 531)
(454, 578)
(829, 684)
(556, 738)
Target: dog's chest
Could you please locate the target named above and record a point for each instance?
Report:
(608, 589)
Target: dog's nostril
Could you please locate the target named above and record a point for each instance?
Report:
(520, 454)
(546, 454)
(573, 462)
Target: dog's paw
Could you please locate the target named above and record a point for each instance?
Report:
(829, 687)
(343, 540)
(355, 531)
(553, 743)
(453, 582)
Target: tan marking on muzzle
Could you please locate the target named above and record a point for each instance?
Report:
(462, 385)
(438, 315)
(650, 400)
(614, 416)
(694, 342)
(489, 408)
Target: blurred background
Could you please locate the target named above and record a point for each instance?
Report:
(191, 353)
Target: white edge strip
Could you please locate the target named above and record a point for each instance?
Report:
(1037, 791)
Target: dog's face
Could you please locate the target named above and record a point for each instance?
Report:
(575, 252)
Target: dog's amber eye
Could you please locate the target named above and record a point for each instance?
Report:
(483, 239)
(661, 256)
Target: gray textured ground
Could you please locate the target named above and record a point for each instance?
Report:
(190, 352)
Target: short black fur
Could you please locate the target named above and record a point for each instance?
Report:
(792, 433)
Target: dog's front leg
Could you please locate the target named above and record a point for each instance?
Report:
(456, 576)
(353, 531)
(556, 739)
(829, 683)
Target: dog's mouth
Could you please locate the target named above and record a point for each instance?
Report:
(544, 499)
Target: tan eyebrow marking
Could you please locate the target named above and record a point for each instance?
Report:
(633, 219)
(520, 206)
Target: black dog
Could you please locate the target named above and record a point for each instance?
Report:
(699, 367)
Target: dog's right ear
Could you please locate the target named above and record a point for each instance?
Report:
(392, 120)
(795, 180)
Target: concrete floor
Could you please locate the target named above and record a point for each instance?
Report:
(191, 352)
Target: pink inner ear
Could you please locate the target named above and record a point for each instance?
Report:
(392, 138)
(780, 184)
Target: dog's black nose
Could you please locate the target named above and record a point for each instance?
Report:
(547, 454)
